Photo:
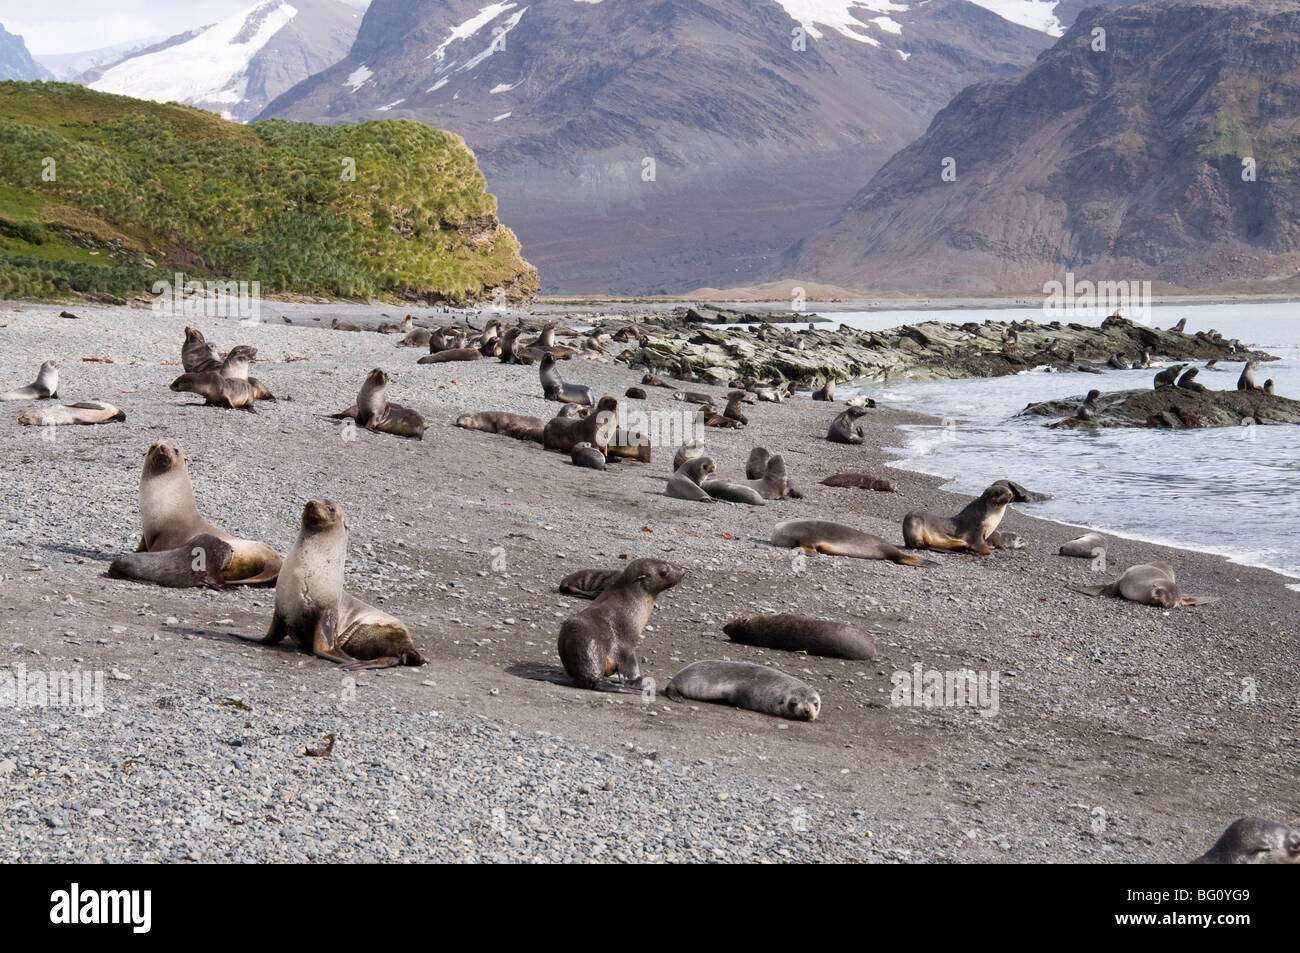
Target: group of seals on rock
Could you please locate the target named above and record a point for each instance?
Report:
(373, 412)
(1151, 584)
(44, 387)
(1169, 376)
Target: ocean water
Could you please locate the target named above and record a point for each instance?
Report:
(1234, 491)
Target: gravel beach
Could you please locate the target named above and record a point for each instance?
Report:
(1123, 733)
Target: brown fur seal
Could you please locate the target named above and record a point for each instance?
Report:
(1268, 387)
(863, 481)
(746, 685)
(1088, 409)
(313, 608)
(1169, 376)
(733, 492)
(636, 393)
(1019, 494)
(416, 337)
(1188, 381)
(1247, 379)
(373, 411)
(554, 387)
(203, 561)
(844, 430)
(82, 412)
(237, 361)
(826, 391)
(44, 387)
(451, 354)
(685, 481)
(774, 481)
(686, 452)
(585, 455)
(338, 325)
(1087, 546)
(798, 633)
(588, 583)
(836, 539)
(197, 356)
(735, 403)
(692, 397)
(651, 380)
(169, 518)
(601, 640)
(1254, 840)
(1151, 584)
(969, 529)
(598, 429)
(519, 426)
(217, 391)
(758, 467)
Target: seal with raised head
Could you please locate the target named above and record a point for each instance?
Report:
(203, 561)
(1188, 381)
(1169, 376)
(197, 355)
(170, 519)
(1151, 584)
(1088, 409)
(826, 391)
(237, 361)
(836, 539)
(601, 640)
(735, 407)
(44, 387)
(519, 426)
(318, 614)
(82, 412)
(686, 451)
(800, 633)
(970, 529)
(554, 387)
(863, 481)
(585, 455)
(684, 484)
(374, 412)
(1087, 546)
(1247, 379)
(759, 470)
(1254, 840)
(746, 685)
(598, 428)
(843, 428)
(217, 391)
(588, 583)
(1019, 494)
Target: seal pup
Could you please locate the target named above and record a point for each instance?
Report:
(685, 482)
(757, 467)
(1151, 584)
(169, 518)
(601, 640)
(746, 685)
(863, 481)
(844, 430)
(197, 355)
(217, 391)
(1088, 409)
(237, 361)
(636, 393)
(969, 529)
(588, 583)
(203, 561)
(826, 391)
(598, 428)
(585, 455)
(1087, 546)
(373, 411)
(519, 426)
(734, 409)
(1169, 376)
(451, 354)
(1181, 326)
(687, 451)
(1254, 840)
(836, 539)
(554, 387)
(338, 325)
(318, 614)
(44, 387)
(799, 633)
(1268, 387)
(82, 412)
(1188, 381)
(1247, 379)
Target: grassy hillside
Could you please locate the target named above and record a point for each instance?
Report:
(144, 189)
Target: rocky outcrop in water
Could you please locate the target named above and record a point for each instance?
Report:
(1174, 408)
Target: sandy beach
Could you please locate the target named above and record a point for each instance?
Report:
(1123, 733)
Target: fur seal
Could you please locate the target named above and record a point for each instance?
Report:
(44, 387)
(684, 484)
(237, 361)
(588, 583)
(650, 380)
(746, 685)
(733, 492)
(169, 518)
(1247, 379)
(1268, 387)
(82, 412)
(636, 393)
(519, 426)
(451, 354)
(1169, 376)
(1254, 840)
(836, 539)
(217, 391)
(826, 391)
(197, 356)
(373, 412)
(203, 561)
(734, 409)
(1087, 546)
(1088, 409)
(1019, 494)
(692, 397)
(313, 608)
(798, 633)
(1188, 380)
(598, 428)
(969, 529)
(600, 641)
(844, 430)
(757, 467)
(554, 387)
(1118, 363)
(585, 455)
(338, 325)
(1151, 584)
(863, 481)
(1181, 326)
(684, 372)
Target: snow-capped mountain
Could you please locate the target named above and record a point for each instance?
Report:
(235, 67)
(15, 61)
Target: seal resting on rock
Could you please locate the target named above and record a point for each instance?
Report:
(746, 685)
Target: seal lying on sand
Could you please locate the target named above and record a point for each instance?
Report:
(836, 539)
(970, 529)
(600, 641)
(598, 428)
(863, 481)
(746, 685)
(797, 633)
(203, 561)
(519, 426)
(1087, 546)
(686, 479)
(373, 412)
(216, 390)
(44, 387)
(451, 354)
(82, 412)
(1253, 840)
(585, 455)
(1151, 584)
(313, 608)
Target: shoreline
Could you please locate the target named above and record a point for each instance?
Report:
(1104, 703)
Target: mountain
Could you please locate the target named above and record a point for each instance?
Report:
(15, 61)
(1126, 164)
(69, 67)
(235, 67)
(138, 190)
(761, 117)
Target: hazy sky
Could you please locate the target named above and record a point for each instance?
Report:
(70, 26)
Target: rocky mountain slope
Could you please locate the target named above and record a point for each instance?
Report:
(1170, 155)
(15, 61)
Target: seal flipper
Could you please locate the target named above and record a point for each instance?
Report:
(1198, 600)
(906, 559)
(274, 635)
(1109, 590)
(323, 638)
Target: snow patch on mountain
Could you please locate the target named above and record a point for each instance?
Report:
(1036, 14)
(497, 38)
(463, 31)
(837, 15)
(359, 77)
